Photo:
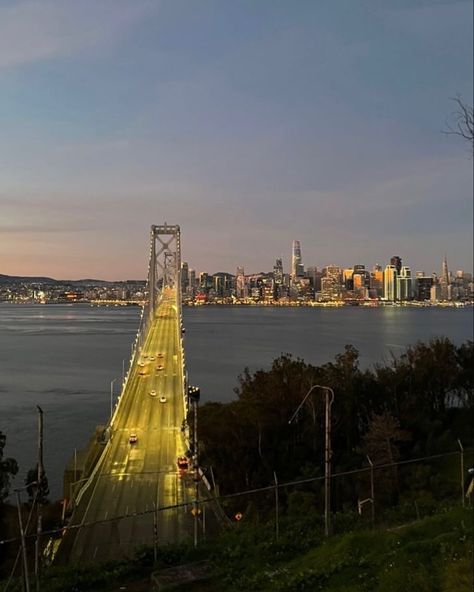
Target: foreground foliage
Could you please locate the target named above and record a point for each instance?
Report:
(417, 404)
(433, 554)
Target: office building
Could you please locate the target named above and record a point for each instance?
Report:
(404, 284)
(184, 277)
(445, 281)
(331, 284)
(390, 283)
(397, 263)
(376, 281)
(297, 268)
(423, 285)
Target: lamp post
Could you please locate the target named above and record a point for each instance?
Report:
(327, 451)
(112, 396)
(39, 478)
(194, 394)
(22, 535)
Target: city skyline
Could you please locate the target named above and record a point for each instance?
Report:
(294, 266)
(246, 124)
(286, 268)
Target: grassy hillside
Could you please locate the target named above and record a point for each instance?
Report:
(433, 555)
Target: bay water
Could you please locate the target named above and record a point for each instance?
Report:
(64, 357)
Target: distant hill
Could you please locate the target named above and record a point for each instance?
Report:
(19, 279)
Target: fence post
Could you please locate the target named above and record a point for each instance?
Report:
(155, 534)
(277, 525)
(372, 488)
(463, 501)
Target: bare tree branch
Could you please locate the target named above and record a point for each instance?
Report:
(462, 122)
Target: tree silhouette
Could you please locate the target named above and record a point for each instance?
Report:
(463, 122)
(31, 483)
(8, 468)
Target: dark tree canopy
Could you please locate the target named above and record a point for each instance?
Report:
(8, 469)
(417, 403)
(39, 495)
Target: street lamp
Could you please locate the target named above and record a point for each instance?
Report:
(112, 396)
(327, 451)
(194, 394)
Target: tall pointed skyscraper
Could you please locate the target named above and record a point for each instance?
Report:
(297, 269)
(444, 281)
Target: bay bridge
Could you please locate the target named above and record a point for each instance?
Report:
(116, 506)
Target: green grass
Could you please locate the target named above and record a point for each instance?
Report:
(433, 554)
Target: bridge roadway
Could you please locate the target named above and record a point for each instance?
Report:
(138, 477)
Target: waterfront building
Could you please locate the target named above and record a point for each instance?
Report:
(445, 281)
(184, 277)
(397, 263)
(204, 281)
(376, 281)
(423, 285)
(278, 278)
(314, 276)
(331, 284)
(192, 282)
(241, 288)
(256, 293)
(435, 292)
(222, 284)
(360, 284)
(347, 278)
(390, 283)
(404, 284)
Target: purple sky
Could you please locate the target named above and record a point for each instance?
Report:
(248, 123)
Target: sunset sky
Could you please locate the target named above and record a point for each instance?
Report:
(248, 123)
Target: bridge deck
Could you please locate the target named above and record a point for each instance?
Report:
(136, 477)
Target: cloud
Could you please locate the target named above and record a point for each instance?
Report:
(36, 31)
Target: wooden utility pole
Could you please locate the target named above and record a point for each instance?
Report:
(277, 521)
(23, 544)
(39, 480)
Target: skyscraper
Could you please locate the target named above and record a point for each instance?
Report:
(390, 283)
(397, 263)
(331, 286)
(192, 282)
(278, 278)
(297, 268)
(444, 281)
(184, 276)
(376, 281)
(404, 284)
(241, 290)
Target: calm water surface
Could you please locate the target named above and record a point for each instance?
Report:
(63, 357)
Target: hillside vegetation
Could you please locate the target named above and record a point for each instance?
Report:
(433, 554)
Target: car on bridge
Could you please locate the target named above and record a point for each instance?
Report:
(182, 462)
